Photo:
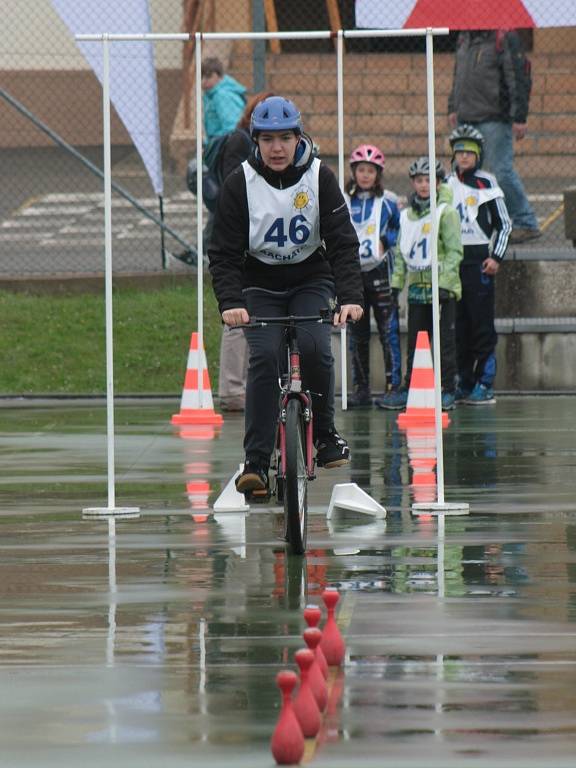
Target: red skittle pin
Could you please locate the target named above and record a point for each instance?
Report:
(287, 743)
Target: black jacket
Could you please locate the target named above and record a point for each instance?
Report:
(232, 269)
(237, 148)
(493, 219)
(492, 78)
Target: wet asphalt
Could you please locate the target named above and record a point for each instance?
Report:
(155, 641)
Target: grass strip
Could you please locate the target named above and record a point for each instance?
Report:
(56, 344)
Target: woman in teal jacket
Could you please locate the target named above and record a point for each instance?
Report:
(412, 261)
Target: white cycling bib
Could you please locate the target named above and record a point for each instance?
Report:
(415, 239)
(284, 223)
(467, 200)
(369, 235)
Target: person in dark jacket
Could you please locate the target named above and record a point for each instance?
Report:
(491, 91)
(485, 231)
(283, 243)
(233, 347)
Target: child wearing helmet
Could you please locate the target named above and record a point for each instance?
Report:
(283, 244)
(376, 218)
(486, 228)
(413, 264)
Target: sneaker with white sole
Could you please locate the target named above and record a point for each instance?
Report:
(461, 395)
(481, 395)
(331, 450)
(448, 401)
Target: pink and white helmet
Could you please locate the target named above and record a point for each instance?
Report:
(368, 153)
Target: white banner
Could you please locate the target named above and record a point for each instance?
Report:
(133, 89)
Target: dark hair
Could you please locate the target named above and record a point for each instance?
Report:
(212, 66)
(252, 102)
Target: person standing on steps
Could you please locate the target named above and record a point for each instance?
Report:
(223, 99)
(491, 91)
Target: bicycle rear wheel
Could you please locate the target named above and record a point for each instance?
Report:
(296, 480)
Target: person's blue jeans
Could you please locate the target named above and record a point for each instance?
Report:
(499, 159)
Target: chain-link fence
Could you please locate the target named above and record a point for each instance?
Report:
(51, 206)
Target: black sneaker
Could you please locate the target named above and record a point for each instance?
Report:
(331, 450)
(253, 479)
(360, 399)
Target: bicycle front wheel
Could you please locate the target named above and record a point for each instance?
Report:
(296, 480)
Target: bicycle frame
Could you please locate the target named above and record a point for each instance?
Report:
(292, 388)
(292, 385)
(293, 460)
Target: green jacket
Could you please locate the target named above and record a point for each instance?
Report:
(450, 255)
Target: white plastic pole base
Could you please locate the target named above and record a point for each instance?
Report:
(436, 508)
(117, 512)
(231, 500)
(351, 496)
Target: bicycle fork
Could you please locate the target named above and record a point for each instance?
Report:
(304, 398)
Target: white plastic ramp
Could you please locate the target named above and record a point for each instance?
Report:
(231, 500)
(350, 496)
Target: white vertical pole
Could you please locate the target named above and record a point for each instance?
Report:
(434, 266)
(199, 218)
(111, 508)
(340, 88)
(108, 270)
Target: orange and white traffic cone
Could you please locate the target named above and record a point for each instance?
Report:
(197, 406)
(420, 406)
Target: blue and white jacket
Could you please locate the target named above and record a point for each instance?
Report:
(376, 220)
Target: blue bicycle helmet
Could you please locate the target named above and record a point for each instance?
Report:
(275, 114)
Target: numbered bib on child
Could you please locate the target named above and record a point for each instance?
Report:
(284, 223)
(368, 233)
(415, 239)
(467, 200)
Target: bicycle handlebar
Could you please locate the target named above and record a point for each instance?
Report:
(325, 316)
(288, 320)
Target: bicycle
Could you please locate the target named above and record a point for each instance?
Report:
(293, 461)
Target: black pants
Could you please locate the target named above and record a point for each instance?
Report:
(376, 295)
(420, 319)
(475, 332)
(267, 359)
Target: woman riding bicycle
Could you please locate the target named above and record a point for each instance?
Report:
(283, 244)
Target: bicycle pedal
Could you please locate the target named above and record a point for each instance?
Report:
(258, 497)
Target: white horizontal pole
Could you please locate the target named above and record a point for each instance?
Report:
(303, 35)
(142, 36)
(319, 35)
(416, 32)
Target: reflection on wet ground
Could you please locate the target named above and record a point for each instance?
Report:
(155, 641)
